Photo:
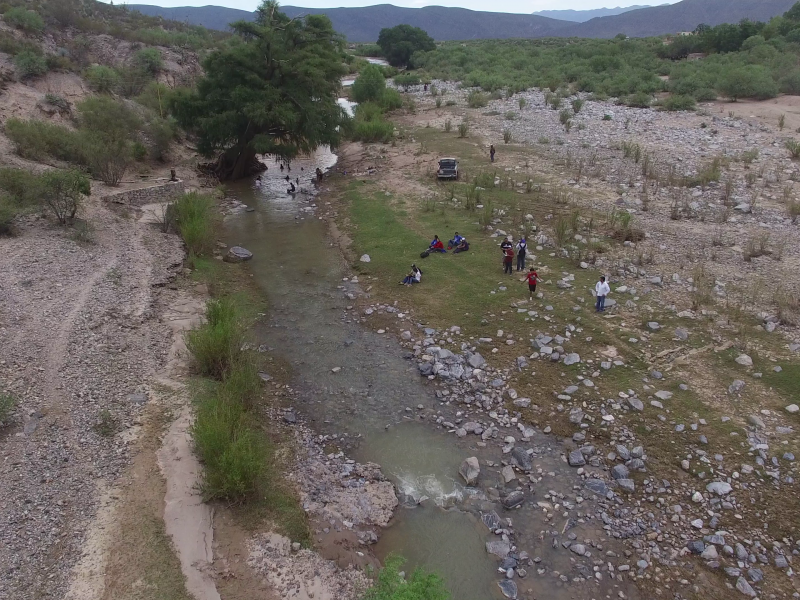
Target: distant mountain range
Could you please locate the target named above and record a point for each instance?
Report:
(363, 24)
(581, 16)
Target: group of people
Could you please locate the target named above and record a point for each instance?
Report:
(318, 175)
(507, 247)
(458, 244)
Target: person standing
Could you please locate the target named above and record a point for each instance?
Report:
(508, 261)
(505, 245)
(522, 249)
(532, 278)
(491, 152)
(601, 291)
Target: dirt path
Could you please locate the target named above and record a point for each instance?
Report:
(85, 337)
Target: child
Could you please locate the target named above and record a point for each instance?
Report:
(508, 261)
(414, 277)
(532, 278)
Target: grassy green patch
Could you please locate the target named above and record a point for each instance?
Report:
(419, 585)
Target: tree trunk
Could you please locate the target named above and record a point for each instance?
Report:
(235, 164)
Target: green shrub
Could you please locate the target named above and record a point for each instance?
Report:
(139, 151)
(27, 20)
(391, 585)
(149, 60)
(678, 102)
(639, 100)
(476, 99)
(38, 140)
(751, 81)
(193, 220)
(577, 105)
(216, 345)
(156, 96)
(463, 129)
(102, 79)
(132, 81)
(63, 192)
(406, 80)
(160, 133)
(369, 86)
(8, 212)
(230, 449)
(391, 100)
(29, 64)
(107, 159)
(22, 187)
(705, 95)
(111, 119)
(7, 404)
(373, 131)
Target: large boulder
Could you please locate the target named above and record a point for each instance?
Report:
(469, 470)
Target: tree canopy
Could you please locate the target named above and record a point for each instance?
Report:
(370, 85)
(272, 89)
(399, 43)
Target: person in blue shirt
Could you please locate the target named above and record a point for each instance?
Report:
(457, 239)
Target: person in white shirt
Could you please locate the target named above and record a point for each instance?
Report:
(601, 291)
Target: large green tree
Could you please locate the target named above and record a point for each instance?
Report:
(399, 43)
(272, 89)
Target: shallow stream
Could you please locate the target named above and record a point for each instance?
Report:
(303, 276)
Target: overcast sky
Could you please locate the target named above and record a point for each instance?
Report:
(515, 6)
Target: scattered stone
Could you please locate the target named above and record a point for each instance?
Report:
(720, 488)
(365, 258)
(571, 359)
(509, 588)
(499, 548)
(237, 254)
(576, 459)
(663, 395)
(792, 409)
(744, 360)
(514, 499)
(744, 587)
(736, 387)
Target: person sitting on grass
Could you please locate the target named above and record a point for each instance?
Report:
(508, 261)
(415, 276)
(436, 245)
(463, 246)
(455, 241)
(532, 278)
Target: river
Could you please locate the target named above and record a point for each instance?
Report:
(305, 280)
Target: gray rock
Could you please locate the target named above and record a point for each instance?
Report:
(696, 546)
(744, 360)
(138, 398)
(756, 421)
(522, 402)
(623, 452)
(476, 361)
(653, 326)
(792, 409)
(781, 562)
(521, 459)
(626, 485)
(509, 588)
(508, 474)
(755, 575)
(513, 499)
(620, 472)
(663, 395)
(499, 548)
(469, 470)
(682, 334)
(572, 358)
(290, 417)
(710, 553)
(578, 549)
(491, 520)
(744, 587)
(720, 488)
(736, 386)
(237, 254)
(576, 459)
(597, 486)
(636, 404)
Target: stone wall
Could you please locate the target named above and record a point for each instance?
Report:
(150, 195)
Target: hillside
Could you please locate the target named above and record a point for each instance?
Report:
(683, 16)
(364, 24)
(581, 16)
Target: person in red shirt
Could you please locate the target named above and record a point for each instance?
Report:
(508, 260)
(436, 245)
(532, 278)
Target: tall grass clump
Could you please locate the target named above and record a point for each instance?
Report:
(191, 216)
(7, 403)
(392, 585)
(463, 129)
(216, 345)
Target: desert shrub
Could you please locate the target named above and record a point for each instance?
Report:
(793, 146)
(38, 140)
(58, 102)
(521, 102)
(132, 81)
(577, 105)
(391, 100)
(678, 102)
(8, 212)
(102, 79)
(192, 217)
(704, 95)
(406, 80)
(448, 125)
(369, 86)
(106, 159)
(20, 185)
(507, 136)
(751, 81)
(160, 133)
(27, 20)
(108, 117)
(63, 192)
(373, 131)
(149, 61)
(391, 585)
(30, 64)
(477, 99)
(156, 96)
(216, 345)
(138, 151)
(463, 129)
(639, 100)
